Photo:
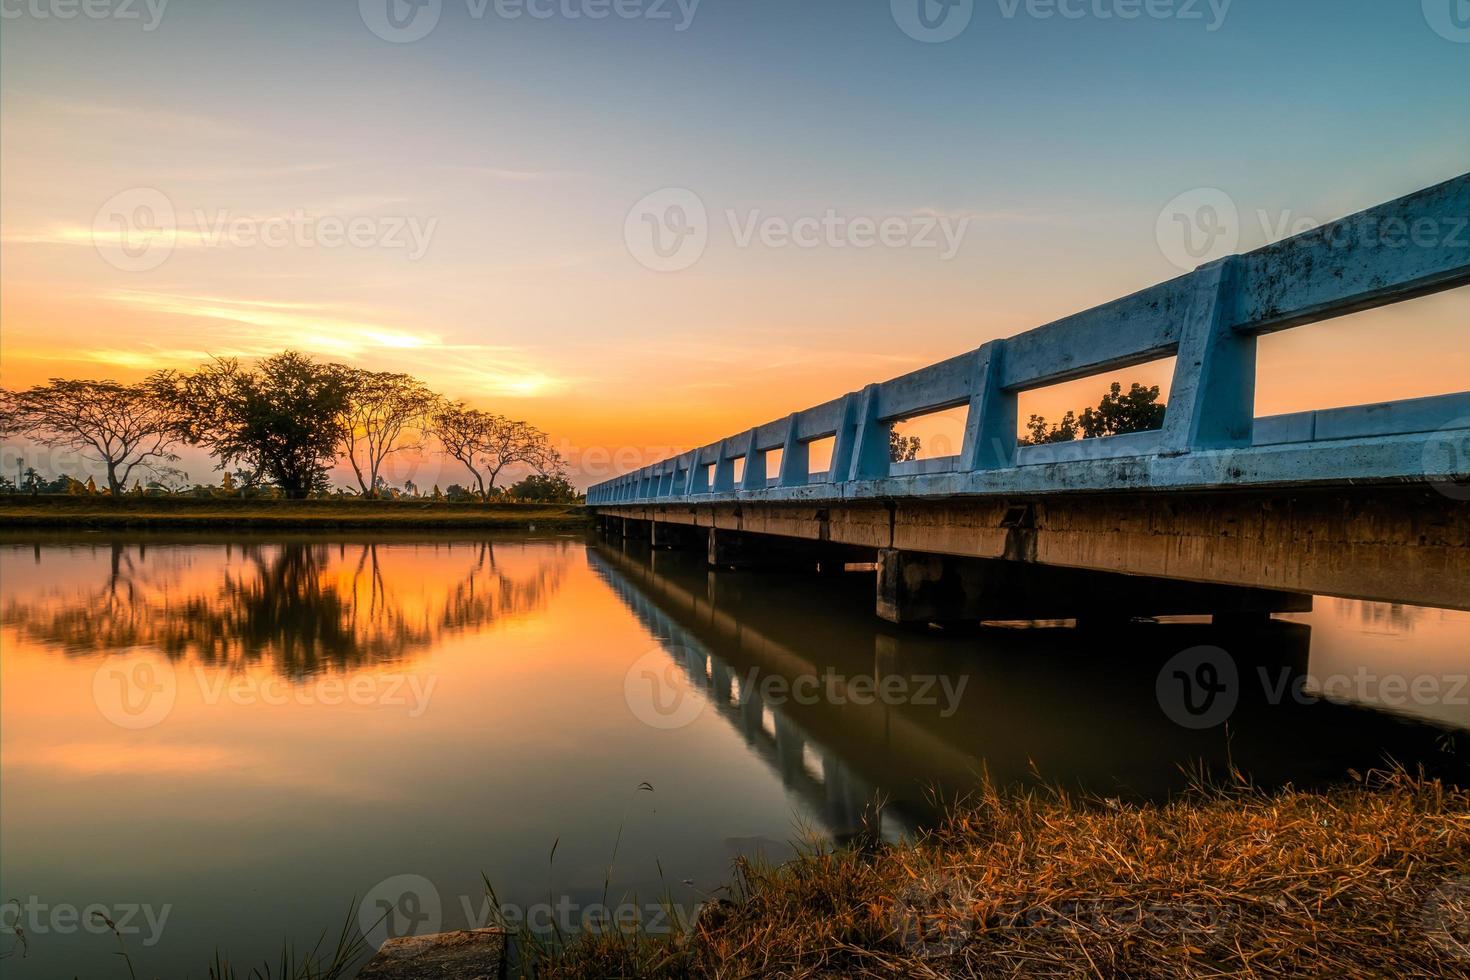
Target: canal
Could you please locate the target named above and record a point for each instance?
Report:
(225, 743)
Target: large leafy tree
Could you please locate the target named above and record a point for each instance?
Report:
(1041, 433)
(545, 488)
(1137, 411)
(280, 421)
(901, 448)
(124, 427)
(486, 444)
(382, 412)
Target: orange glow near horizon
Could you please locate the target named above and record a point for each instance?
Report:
(528, 302)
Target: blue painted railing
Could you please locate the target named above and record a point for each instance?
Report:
(1208, 319)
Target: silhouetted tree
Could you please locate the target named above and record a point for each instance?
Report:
(486, 444)
(1117, 413)
(382, 410)
(125, 427)
(280, 420)
(1041, 434)
(901, 448)
(546, 489)
(1137, 411)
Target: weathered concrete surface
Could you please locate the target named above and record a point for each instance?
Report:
(1208, 319)
(1391, 544)
(477, 954)
(914, 587)
(732, 549)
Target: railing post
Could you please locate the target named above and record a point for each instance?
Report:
(841, 462)
(1212, 400)
(795, 456)
(690, 464)
(699, 481)
(754, 477)
(870, 452)
(724, 469)
(990, 428)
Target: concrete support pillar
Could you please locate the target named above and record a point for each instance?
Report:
(915, 588)
(729, 549)
(671, 537)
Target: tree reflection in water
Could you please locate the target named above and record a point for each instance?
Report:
(302, 607)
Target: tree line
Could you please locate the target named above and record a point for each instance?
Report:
(283, 423)
(1136, 411)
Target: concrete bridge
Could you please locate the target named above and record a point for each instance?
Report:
(1367, 502)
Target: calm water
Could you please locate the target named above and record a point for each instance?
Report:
(227, 742)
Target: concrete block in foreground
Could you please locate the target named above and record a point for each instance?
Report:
(476, 954)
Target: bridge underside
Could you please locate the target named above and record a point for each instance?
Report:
(1406, 544)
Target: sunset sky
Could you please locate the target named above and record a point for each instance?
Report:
(517, 147)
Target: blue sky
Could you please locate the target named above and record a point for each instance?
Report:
(526, 142)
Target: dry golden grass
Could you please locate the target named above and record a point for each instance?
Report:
(1371, 880)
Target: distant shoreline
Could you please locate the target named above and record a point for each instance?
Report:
(172, 513)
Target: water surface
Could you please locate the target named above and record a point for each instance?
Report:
(240, 737)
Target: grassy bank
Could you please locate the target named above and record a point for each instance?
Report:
(189, 512)
(1362, 881)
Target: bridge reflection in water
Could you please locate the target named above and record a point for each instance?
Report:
(1085, 710)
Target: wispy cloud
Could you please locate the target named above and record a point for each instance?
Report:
(251, 328)
(274, 325)
(503, 173)
(153, 118)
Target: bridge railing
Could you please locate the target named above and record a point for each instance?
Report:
(1208, 320)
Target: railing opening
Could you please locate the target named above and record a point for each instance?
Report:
(819, 454)
(709, 476)
(933, 435)
(1408, 350)
(1090, 407)
(773, 463)
(739, 467)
